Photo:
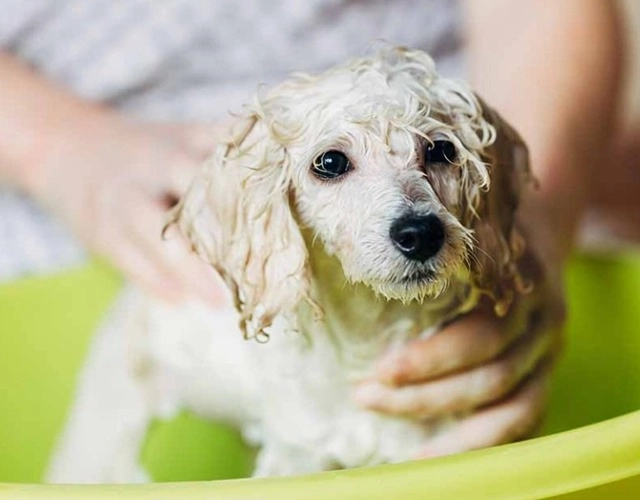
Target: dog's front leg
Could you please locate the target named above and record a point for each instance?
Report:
(109, 418)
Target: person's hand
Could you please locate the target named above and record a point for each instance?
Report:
(490, 372)
(112, 180)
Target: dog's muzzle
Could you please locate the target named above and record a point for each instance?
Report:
(418, 237)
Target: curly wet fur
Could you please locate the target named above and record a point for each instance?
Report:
(244, 212)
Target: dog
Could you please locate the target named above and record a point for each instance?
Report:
(348, 212)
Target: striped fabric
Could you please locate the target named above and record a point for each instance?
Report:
(188, 60)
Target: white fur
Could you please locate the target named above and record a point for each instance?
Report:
(312, 271)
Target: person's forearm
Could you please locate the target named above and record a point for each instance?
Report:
(552, 69)
(35, 116)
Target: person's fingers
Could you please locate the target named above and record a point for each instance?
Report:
(137, 267)
(170, 157)
(462, 391)
(171, 256)
(517, 417)
(175, 178)
(467, 342)
(198, 278)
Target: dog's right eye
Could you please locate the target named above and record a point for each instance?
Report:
(331, 164)
(440, 152)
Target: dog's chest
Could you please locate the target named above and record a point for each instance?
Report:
(308, 418)
(293, 395)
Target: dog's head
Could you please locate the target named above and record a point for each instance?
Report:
(406, 177)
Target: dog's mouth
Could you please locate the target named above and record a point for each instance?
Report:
(416, 284)
(419, 278)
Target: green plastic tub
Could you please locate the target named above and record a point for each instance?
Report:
(590, 448)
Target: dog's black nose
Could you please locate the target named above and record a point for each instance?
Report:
(418, 237)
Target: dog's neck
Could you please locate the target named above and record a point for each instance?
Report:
(362, 324)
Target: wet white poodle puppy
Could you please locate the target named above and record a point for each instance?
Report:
(348, 212)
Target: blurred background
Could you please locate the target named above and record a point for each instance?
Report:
(598, 379)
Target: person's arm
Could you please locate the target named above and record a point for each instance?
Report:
(552, 69)
(109, 178)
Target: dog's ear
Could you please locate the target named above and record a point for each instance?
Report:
(499, 244)
(238, 217)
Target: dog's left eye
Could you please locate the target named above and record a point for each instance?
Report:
(440, 152)
(331, 164)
